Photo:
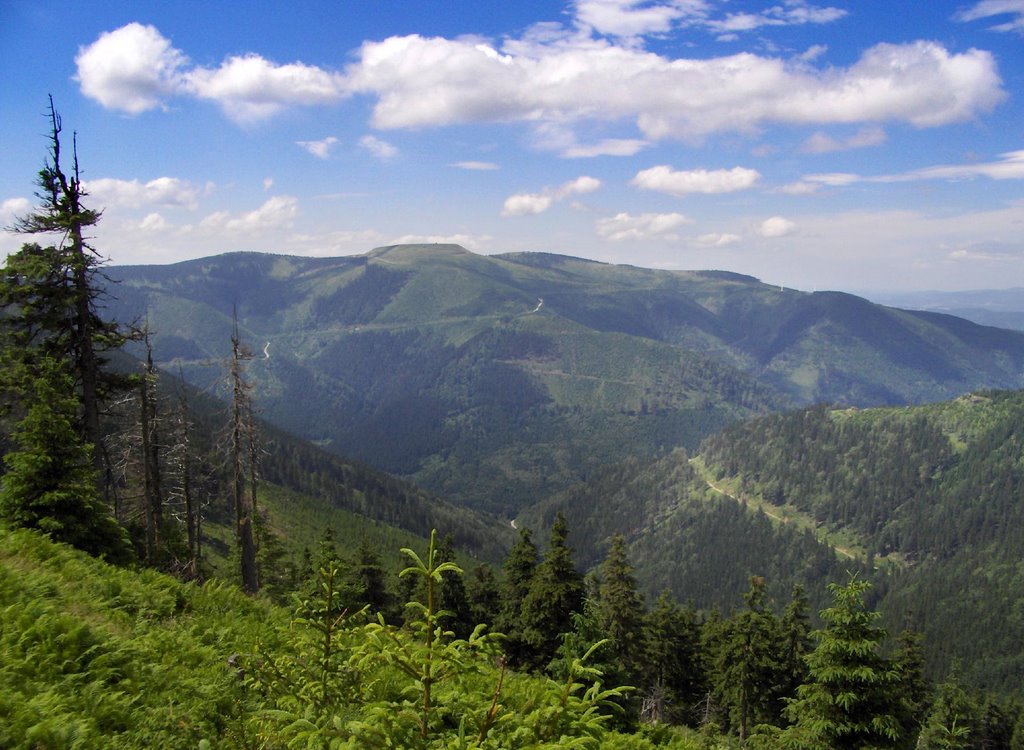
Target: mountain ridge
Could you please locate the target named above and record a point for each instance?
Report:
(497, 380)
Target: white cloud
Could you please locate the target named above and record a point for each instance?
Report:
(822, 143)
(523, 204)
(379, 148)
(110, 192)
(606, 147)
(624, 226)
(135, 68)
(250, 88)
(131, 69)
(718, 239)
(793, 13)
(277, 212)
(154, 222)
(664, 179)
(776, 226)
(475, 165)
(553, 75)
(421, 82)
(989, 8)
(630, 18)
(320, 149)
(268, 182)
(13, 208)
(1010, 166)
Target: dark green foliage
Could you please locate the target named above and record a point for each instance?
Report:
(853, 696)
(746, 667)
(520, 568)
(484, 595)
(935, 486)
(50, 480)
(555, 593)
(621, 612)
(676, 679)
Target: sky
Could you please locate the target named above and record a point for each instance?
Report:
(860, 146)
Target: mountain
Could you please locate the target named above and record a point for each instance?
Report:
(931, 494)
(496, 381)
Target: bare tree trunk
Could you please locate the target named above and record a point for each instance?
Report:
(243, 501)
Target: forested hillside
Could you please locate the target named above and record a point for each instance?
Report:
(497, 381)
(932, 493)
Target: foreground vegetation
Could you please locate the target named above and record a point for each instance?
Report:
(93, 655)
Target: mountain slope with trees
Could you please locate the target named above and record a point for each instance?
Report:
(932, 493)
(496, 381)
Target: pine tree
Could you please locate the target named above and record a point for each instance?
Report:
(621, 610)
(851, 699)
(675, 672)
(453, 605)
(746, 666)
(484, 595)
(54, 293)
(50, 483)
(556, 592)
(520, 567)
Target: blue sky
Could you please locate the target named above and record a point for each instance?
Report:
(841, 145)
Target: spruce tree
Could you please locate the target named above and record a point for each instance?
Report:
(556, 592)
(746, 665)
(621, 610)
(675, 670)
(50, 483)
(520, 567)
(53, 292)
(852, 698)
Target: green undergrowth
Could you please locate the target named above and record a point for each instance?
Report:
(97, 656)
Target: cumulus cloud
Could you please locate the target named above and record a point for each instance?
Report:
(776, 226)
(135, 68)
(554, 75)
(277, 212)
(320, 149)
(624, 226)
(131, 69)
(524, 204)
(379, 148)
(988, 8)
(630, 18)
(12, 208)
(822, 143)
(163, 191)
(154, 222)
(664, 179)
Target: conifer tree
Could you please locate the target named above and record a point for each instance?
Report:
(452, 603)
(675, 671)
(520, 567)
(484, 595)
(556, 592)
(50, 483)
(851, 699)
(621, 610)
(53, 291)
(746, 662)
